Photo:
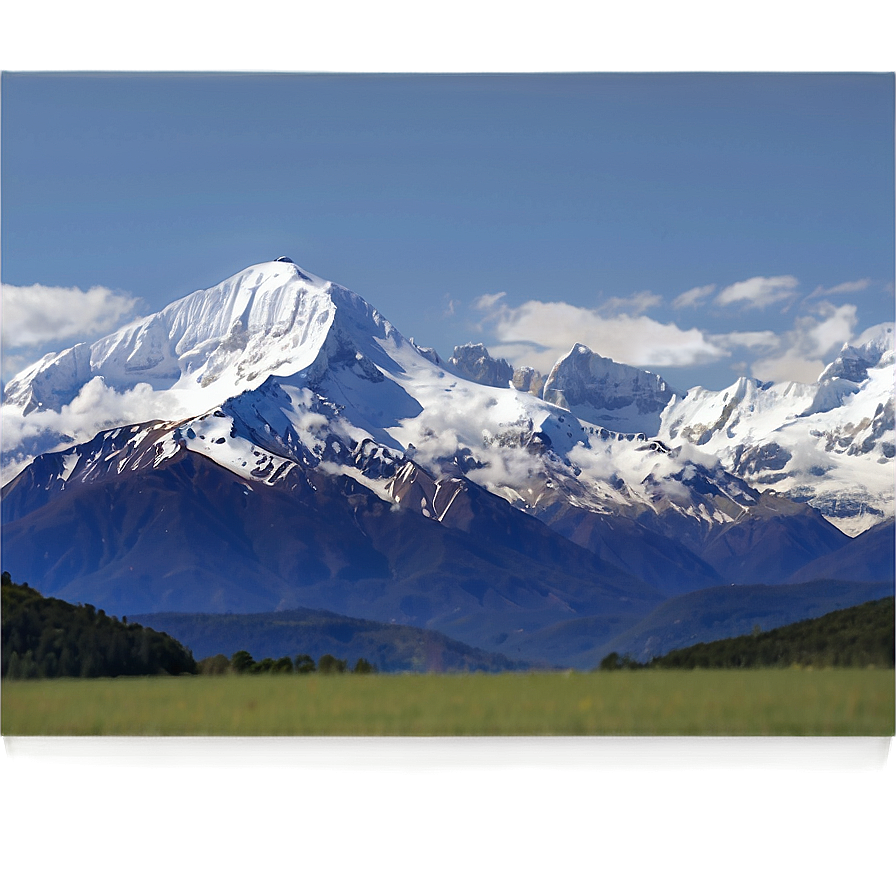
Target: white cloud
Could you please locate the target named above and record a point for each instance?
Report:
(488, 300)
(791, 366)
(759, 292)
(692, 297)
(637, 303)
(809, 345)
(15, 362)
(755, 340)
(95, 408)
(529, 354)
(840, 289)
(830, 333)
(690, 453)
(35, 315)
(538, 333)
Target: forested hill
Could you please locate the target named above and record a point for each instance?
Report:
(43, 637)
(856, 636)
(390, 647)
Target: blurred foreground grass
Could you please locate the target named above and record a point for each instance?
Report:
(651, 702)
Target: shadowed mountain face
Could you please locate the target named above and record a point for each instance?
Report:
(660, 560)
(391, 648)
(868, 557)
(770, 542)
(191, 536)
(274, 442)
(701, 616)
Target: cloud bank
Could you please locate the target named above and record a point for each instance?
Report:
(759, 292)
(637, 329)
(538, 333)
(34, 315)
(95, 408)
(803, 351)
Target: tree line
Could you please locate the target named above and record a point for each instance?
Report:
(241, 663)
(854, 637)
(43, 637)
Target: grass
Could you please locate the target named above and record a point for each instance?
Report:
(651, 702)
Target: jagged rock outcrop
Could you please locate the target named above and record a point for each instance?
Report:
(528, 379)
(475, 363)
(615, 395)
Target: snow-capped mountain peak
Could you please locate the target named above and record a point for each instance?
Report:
(614, 395)
(874, 348)
(828, 443)
(272, 317)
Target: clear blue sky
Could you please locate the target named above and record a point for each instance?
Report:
(702, 226)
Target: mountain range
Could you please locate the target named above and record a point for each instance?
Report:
(274, 442)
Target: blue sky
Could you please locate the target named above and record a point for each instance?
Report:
(701, 226)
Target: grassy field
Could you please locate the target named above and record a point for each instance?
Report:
(754, 702)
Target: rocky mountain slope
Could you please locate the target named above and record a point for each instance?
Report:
(829, 443)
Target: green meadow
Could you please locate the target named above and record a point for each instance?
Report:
(640, 702)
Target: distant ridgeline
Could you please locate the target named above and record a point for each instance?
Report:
(857, 636)
(43, 637)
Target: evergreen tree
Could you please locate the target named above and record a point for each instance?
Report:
(329, 665)
(241, 662)
(214, 665)
(304, 664)
(45, 637)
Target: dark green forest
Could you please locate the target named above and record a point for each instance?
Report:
(855, 637)
(43, 637)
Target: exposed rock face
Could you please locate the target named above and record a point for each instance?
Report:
(598, 389)
(473, 362)
(528, 379)
(854, 361)
(429, 353)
